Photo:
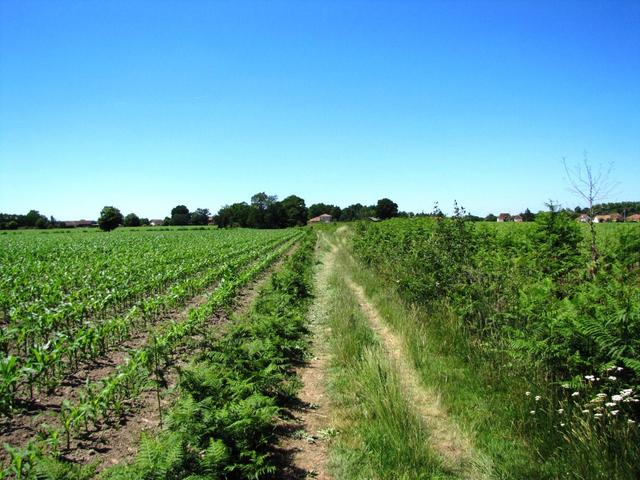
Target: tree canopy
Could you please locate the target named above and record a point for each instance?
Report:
(180, 215)
(131, 220)
(110, 219)
(386, 208)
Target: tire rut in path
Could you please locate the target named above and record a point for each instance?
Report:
(447, 439)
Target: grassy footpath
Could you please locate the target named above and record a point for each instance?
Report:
(380, 435)
(438, 355)
(385, 439)
(223, 424)
(482, 412)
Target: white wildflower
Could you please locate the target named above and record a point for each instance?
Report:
(619, 369)
(566, 385)
(616, 398)
(585, 411)
(601, 395)
(614, 412)
(597, 415)
(532, 412)
(610, 404)
(591, 378)
(575, 394)
(561, 410)
(562, 424)
(612, 378)
(528, 394)
(538, 397)
(631, 422)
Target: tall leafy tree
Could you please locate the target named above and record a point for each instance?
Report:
(110, 219)
(386, 208)
(321, 208)
(200, 216)
(180, 215)
(235, 215)
(261, 203)
(528, 216)
(295, 211)
(131, 220)
(357, 211)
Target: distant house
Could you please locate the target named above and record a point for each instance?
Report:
(80, 223)
(634, 218)
(613, 217)
(324, 218)
(518, 218)
(584, 218)
(504, 217)
(156, 222)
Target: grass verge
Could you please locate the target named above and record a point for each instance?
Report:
(380, 435)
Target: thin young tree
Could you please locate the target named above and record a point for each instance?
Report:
(592, 186)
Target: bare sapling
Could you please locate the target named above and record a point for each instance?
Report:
(592, 187)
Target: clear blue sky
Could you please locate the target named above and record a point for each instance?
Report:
(145, 105)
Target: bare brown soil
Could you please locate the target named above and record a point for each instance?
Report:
(305, 445)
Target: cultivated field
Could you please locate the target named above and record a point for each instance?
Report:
(404, 349)
(91, 323)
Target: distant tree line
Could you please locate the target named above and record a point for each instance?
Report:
(180, 216)
(266, 211)
(33, 219)
(611, 207)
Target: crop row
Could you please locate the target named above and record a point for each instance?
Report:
(223, 423)
(46, 365)
(48, 286)
(107, 399)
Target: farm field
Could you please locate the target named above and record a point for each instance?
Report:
(410, 348)
(93, 324)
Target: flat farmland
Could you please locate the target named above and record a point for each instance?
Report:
(91, 321)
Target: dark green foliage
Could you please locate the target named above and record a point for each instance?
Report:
(357, 211)
(223, 424)
(265, 211)
(295, 211)
(532, 310)
(386, 208)
(320, 208)
(528, 216)
(180, 215)
(612, 207)
(33, 219)
(235, 215)
(200, 216)
(132, 220)
(110, 219)
(557, 245)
